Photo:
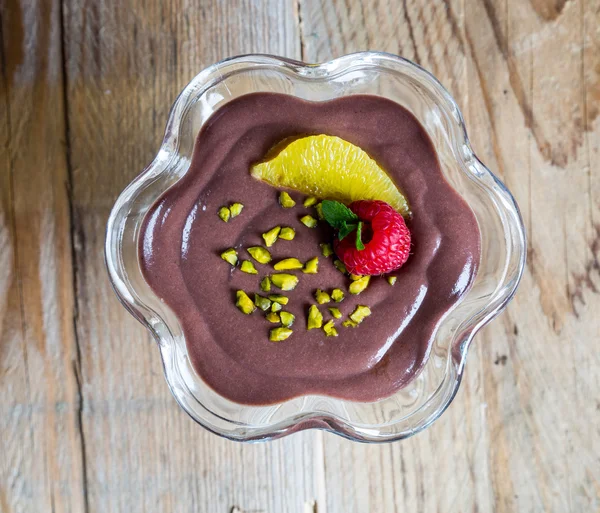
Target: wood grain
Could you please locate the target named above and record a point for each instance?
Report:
(86, 421)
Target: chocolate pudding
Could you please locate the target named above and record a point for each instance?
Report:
(183, 237)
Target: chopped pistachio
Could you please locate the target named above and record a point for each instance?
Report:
(310, 201)
(309, 221)
(311, 266)
(315, 318)
(319, 209)
(273, 317)
(248, 267)
(287, 319)
(326, 249)
(337, 295)
(339, 265)
(356, 287)
(284, 281)
(279, 334)
(265, 284)
(260, 254)
(329, 329)
(335, 312)
(287, 233)
(244, 303)
(360, 312)
(230, 255)
(235, 209)
(349, 324)
(262, 302)
(392, 280)
(322, 297)
(224, 214)
(355, 277)
(276, 307)
(278, 298)
(285, 200)
(288, 264)
(271, 236)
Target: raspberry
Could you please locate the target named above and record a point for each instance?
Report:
(385, 236)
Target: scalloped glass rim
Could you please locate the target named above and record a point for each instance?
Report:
(423, 400)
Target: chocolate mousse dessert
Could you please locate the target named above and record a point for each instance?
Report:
(311, 248)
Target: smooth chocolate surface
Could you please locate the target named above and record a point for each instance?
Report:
(182, 238)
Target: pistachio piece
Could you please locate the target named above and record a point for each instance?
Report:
(248, 267)
(276, 307)
(273, 317)
(355, 277)
(360, 312)
(278, 298)
(230, 255)
(309, 221)
(319, 209)
(339, 265)
(311, 266)
(349, 324)
(262, 302)
(392, 280)
(322, 297)
(329, 329)
(265, 284)
(244, 303)
(235, 209)
(284, 281)
(337, 295)
(260, 254)
(356, 287)
(326, 249)
(224, 214)
(285, 200)
(288, 264)
(279, 334)
(287, 233)
(271, 236)
(335, 312)
(287, 319)
(315, 318)
(310, 201)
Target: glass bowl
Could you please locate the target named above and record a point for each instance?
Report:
(503, 245)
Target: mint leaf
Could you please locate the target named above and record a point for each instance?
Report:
(359, 243)
(338, 215)
(346, 229)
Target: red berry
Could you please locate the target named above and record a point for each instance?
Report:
(389, 242)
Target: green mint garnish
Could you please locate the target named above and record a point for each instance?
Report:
(359, 243)
(343, 220)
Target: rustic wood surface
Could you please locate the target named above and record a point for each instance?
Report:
(86, 421)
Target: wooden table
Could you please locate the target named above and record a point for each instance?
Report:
(87, 423)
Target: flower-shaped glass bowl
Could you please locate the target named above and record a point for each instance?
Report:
(424, 399)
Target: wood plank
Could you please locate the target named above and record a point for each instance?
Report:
(508, 442)
(125, 67)
(40, 467)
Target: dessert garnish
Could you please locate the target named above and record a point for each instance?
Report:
(287, 233)
(288, 264)
(260, 254)
(262, 302)
(244, 303)
(286, 201)
(309, 221)
(271, 236)
(265, 284)
(327, 166)
(335, 312)
(311, 266)
(322, 297)
(224, 213)
(230, 255)
(279, 334)
(315, 318)
(329, 329)
(227, 213)
(337, 295)
(287, 318)
(284, 281)
(386, 243)
(359, 314)
(357, 286)
(278, 298)
(326, 249)
(310, 201)
(248, 267)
